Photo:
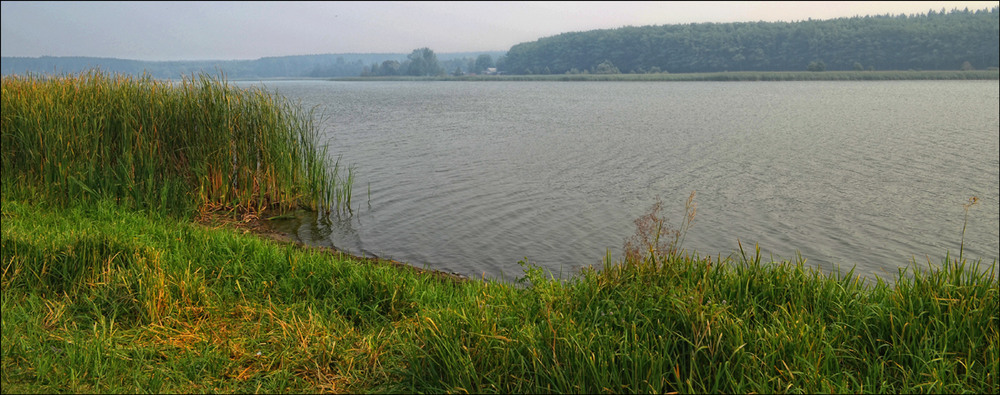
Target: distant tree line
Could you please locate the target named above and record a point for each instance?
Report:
(960, 39)
(327, 65)
(420, 62)
(315, 66)
(423, 62)
(338, 68)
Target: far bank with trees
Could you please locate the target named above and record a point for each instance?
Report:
(937, 40)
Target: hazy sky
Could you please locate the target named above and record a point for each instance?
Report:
(250, 30)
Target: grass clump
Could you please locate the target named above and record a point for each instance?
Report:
(199, 144)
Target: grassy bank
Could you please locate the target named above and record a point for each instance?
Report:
(98, 298)
(105, 288)
(721, 76)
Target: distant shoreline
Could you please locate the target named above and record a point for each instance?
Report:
(718, 76)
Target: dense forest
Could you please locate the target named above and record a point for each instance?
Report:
(959, 39)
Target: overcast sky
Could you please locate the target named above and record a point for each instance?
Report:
(250, 30)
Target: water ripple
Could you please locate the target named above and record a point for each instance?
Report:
(472, 177)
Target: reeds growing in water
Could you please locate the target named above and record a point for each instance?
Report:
(197, 144)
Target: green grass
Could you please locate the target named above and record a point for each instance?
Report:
(98, 298)
(103, 299)
(720, 76)
(200, 144)
(105, 288)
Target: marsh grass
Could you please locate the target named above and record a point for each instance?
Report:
(98, 298)
(659, 321)
(196, 145)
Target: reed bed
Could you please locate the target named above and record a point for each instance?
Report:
(98, 298)
(197, 144)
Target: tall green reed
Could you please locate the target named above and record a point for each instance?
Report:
(198, 144)
(965, 222)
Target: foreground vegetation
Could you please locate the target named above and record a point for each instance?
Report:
(101, 292)
(98, 298)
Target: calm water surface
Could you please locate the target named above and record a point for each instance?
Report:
(471, 177)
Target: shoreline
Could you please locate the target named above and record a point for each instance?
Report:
(723, 76)
(261, 228)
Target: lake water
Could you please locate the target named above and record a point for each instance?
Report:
(471, 177)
